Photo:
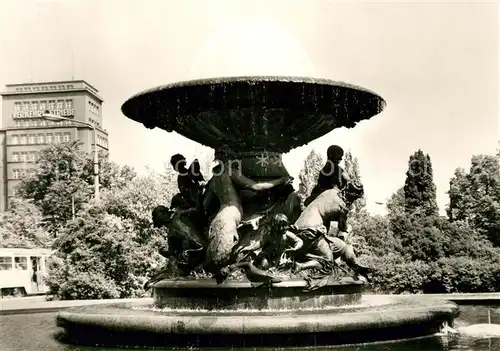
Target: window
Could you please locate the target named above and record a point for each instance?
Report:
(41, 139)
(5, 263)
(16, 173)
(68, 104)
(34, 105)
(52, 104)
(31, 156)
(21, 263)
(93, 108)
(58, 138)
(15, 139)
(69, 86)
(60, 104)
(43, 105)
(18, 124)
(23, 139)
(26, 106)
(66, 137)
(36, 88)
(17, 106)
(49, 138)
(32, 139)
(24, 156)
(15, 157)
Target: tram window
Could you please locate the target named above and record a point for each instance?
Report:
(21, 263)
(5, 263)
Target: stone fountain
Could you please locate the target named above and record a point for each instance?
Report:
(222, 285)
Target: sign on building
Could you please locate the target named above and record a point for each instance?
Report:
(69, 112)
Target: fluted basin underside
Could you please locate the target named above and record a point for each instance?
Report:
(370, 319)
(254, 113)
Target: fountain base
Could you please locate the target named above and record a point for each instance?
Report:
(233, 295)
(364, 319)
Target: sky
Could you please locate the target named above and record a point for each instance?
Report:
(437, 65)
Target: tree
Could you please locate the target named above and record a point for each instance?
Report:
(396, 203)
(308, 176)
(420, 190)
(63, 181)
(460, 198)
(378, 239)
(351, 166)
(475, 196)
(22, 226)
(57, 179)
(137, 199)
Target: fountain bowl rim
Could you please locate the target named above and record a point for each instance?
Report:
(250, 79)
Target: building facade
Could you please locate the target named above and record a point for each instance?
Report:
(25, 132)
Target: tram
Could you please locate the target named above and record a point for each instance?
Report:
(22, 271)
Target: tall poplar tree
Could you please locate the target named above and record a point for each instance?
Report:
(419, 188)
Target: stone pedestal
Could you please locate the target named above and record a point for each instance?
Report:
(206, 294)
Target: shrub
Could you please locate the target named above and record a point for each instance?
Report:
(463, 274)
(86, 286)
(393, 275)
(103, 256)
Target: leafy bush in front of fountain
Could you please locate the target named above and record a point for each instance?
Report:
(100, 255)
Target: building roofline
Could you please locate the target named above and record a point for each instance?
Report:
(13, 93)
(53, 82)
(89, 88)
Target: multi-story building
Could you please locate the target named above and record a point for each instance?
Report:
(25, 132)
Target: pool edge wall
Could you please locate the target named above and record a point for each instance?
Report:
(401, 318)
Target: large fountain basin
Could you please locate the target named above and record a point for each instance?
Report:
(370, 318)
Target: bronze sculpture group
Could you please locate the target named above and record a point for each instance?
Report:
(233, 222)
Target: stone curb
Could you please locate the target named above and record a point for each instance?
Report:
(56, 306)
(460, 298)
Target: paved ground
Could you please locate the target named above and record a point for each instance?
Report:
(32, 304)
(466, 298)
